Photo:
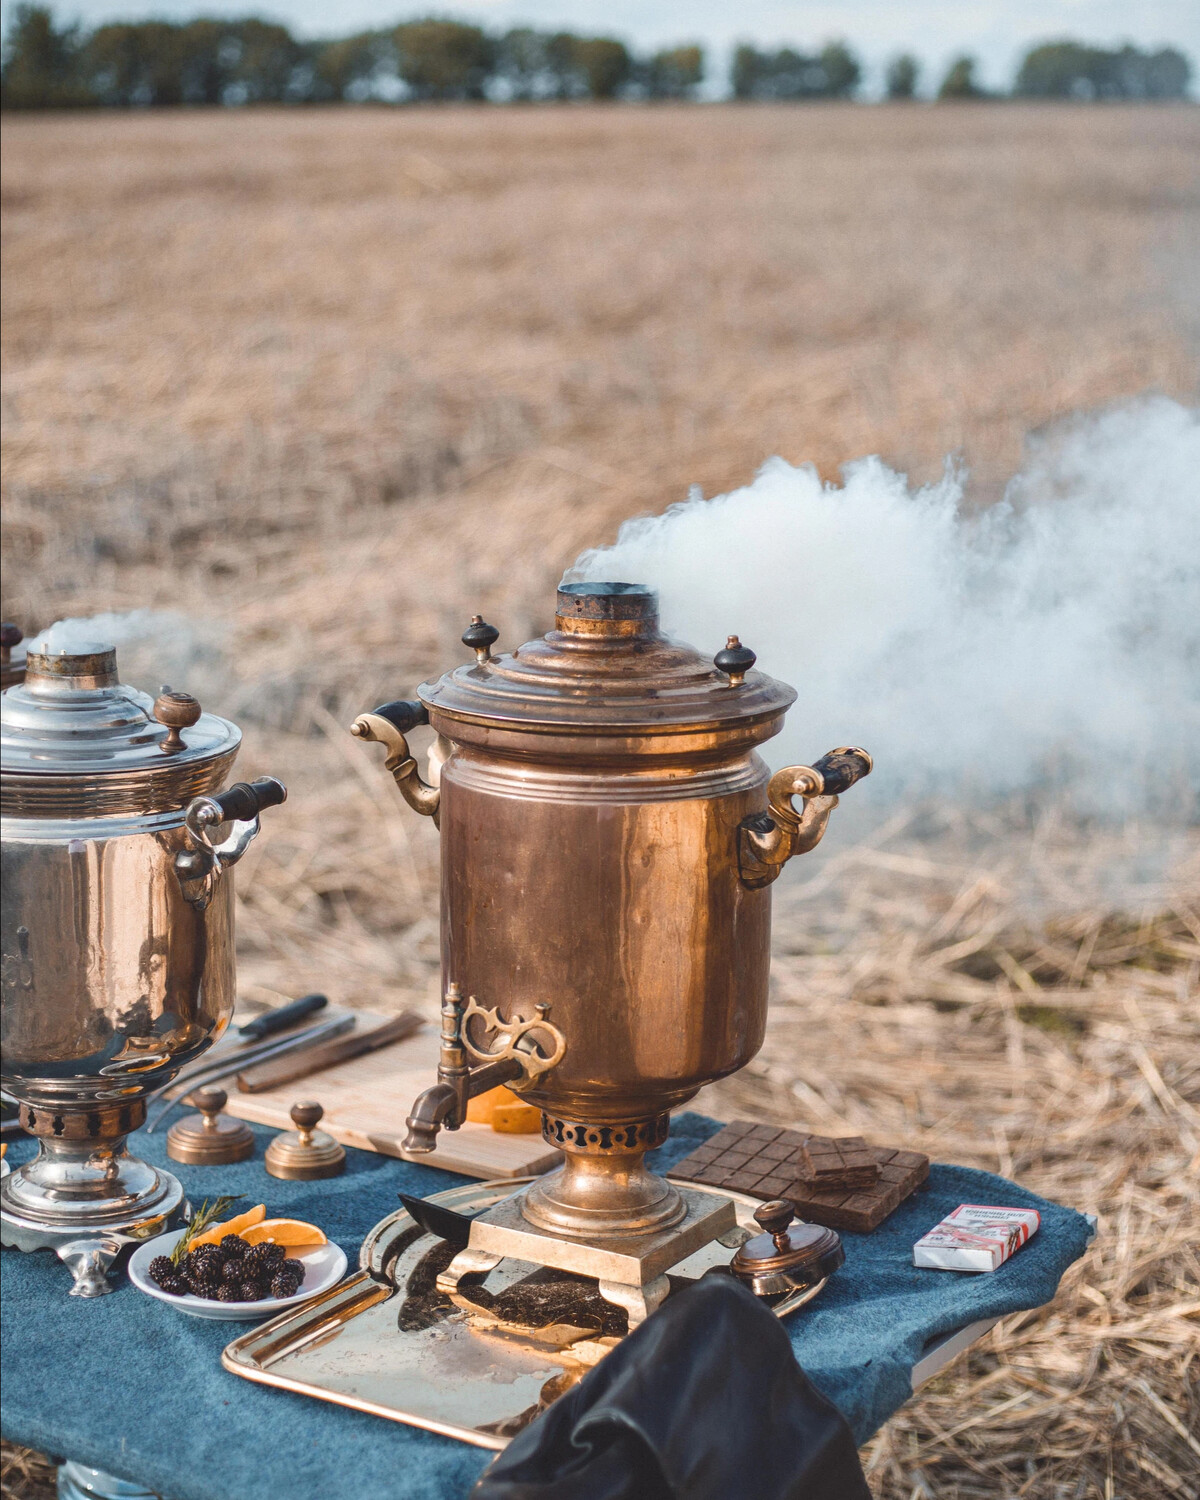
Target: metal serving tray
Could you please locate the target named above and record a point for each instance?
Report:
(380, 1343)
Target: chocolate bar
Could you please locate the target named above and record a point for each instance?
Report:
(844, 1161)
(765, 1162)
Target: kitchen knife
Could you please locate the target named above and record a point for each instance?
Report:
(447, 1225)
(283, 1015)
(301, 1064)
(224, 1065)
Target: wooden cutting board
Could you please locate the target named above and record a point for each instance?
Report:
(367, 1100)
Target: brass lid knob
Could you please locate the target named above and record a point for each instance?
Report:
(305, 1153)
(209, 1138)
(178, 711)
(10, 636)
(787, 1255)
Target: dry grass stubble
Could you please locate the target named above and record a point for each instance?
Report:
(327, 382)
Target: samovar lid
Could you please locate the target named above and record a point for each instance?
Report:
(75, 741)
(606, 669)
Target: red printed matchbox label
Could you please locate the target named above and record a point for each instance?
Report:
(975, 1237)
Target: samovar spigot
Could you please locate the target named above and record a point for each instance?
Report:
(513, 1053)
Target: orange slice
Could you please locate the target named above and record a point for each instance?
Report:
(217, 1233)
(295, 1234)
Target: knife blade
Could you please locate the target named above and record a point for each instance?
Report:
(447, 1225)
(282, 1016)
(309, 1060)
(226, 1065)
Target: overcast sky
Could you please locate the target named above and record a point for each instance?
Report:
(996, 31)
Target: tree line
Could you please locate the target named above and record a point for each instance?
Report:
(229, 62)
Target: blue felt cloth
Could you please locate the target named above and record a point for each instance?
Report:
(133, 1387)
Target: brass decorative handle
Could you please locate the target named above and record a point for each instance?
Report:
(387, 726)
(766, 841)
(516, 1039)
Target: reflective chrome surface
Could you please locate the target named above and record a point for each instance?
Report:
(116, 929)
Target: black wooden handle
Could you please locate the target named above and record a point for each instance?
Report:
(404, 714)
(840, 769)
(246, 799)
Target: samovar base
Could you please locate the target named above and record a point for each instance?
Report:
(88, 1201)
(630, 1268)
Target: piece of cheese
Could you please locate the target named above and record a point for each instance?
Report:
(517, 1118)
(504, 1112)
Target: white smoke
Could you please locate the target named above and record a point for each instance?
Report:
(156, 647)
(1052, 642)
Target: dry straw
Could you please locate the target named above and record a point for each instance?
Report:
(328, 382)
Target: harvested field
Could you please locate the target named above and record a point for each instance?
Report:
(325, 382)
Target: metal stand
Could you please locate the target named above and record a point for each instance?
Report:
(85, 1243)
(630, 1269)
(79, 1482)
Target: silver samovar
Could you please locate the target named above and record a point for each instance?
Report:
(117, 930)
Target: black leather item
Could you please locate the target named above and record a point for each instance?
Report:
(705, 1401)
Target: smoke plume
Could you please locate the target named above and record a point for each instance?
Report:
(1050, 644)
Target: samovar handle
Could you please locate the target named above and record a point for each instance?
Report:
(199, 866)
(766, 841)
(388, 726)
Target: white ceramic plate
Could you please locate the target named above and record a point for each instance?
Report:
(324, 1266)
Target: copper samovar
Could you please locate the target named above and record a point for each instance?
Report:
(609, 838)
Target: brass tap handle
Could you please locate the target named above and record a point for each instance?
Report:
(480, 637)
(516, 1040)
(387, 727)
(766, 841)
(735, 660)
(178, 711)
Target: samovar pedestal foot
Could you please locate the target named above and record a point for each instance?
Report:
(638, 1301)
(630, 1270)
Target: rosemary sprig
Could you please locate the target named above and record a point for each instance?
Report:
(202, 1220)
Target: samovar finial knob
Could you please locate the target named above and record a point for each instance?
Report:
(10, 635)
(178, 711)
(480, 637)
(735, 660)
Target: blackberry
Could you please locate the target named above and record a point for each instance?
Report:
(231, 1270)
(276, 1254)
(258, 1257)
(227, 1292)
(250, 1291)
(161, 1269)
(209, 1289)
(175, 1285)
(284, 1286)
(232, 1245)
